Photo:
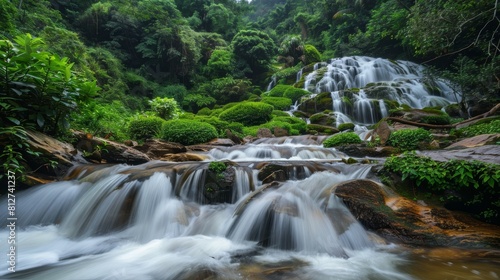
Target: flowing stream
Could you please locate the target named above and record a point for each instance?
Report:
(152, 221)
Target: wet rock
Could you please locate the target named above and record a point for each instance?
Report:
(279, 176)
(323, 119)
(486, 153)
(264, 133)
(222, 142)
(109, 151)
(182, 157)
(218, 187)
(405, 221)
(364, 151)
(322, 129)
(280, 132)
(476, 141)
(236, 140)
(50, 149)
(383, 131)
(156, 149)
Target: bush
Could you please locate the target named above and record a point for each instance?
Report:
(279, 103)
(279, 113)
(345, 126)
(166, 108)
(248, 113)
(472, 185)
(409, 139)
(145, 127)
(437, 119)
(278, 90)
(221, 125)
(295, 93)
(480, 128)
(204, 112)
(342, 139)
(187, 132)
(297, 124)
(311, 54)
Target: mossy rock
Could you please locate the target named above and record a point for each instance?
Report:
(322, 129)
(323, 119)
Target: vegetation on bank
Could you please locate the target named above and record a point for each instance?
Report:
(470, 186)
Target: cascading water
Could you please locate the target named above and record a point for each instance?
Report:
(152, 222)
(360, 85)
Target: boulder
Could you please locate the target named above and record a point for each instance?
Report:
(155, 149)
(264, 133)
(476, 141)
(412, 223)
(182, 157)
(280, 132)
(221, 142)
(360, 150)
(383, 131)
(104, 150)
(50, 149)
(486, 153)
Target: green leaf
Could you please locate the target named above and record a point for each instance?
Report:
(14, 120)
(40, 120)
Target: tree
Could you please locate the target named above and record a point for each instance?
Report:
(254, 49)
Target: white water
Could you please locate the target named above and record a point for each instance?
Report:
(128, 223)
(377, 79)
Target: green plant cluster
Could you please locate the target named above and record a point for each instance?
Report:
(345, 126)
(279, 103)
(187, 132)
(409, 139)
(478, 129)
(341, 139)
(474, 185)
(145, 127)
(248, 113)
(217, 167)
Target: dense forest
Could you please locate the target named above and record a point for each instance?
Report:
(120, 69)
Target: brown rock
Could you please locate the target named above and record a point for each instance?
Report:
(182, 157)
(109, 151)
(156, 148)
(476, 141)
(264, 133)
(383, 131)
(221, 142)
(402, 220)
(280, 132)
(233, 137)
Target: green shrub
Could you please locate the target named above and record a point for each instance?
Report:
(278, 90)
(311, 54)
(279, 113)
(166, 108)
(297, 124)
(204, 112)
(248, 113)
(345, 126)
(295, 93)
(480, 128)
(221, 125)
(279, 103)
(437, 119)
(340, 139)
(144, 127)
(187, 132)
(409, 139)
(474, 185)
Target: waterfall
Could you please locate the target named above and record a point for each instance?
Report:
(359, 85)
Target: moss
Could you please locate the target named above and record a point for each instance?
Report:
(345, 126)
(248, 113)
(145, 127)
(341, 139)
(279, 103)
(188, 132)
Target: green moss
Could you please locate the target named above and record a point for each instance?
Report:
(248, 113)
(279, 103)
(188, 132)
(340, 139)
(345, 126)
(409, 139)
